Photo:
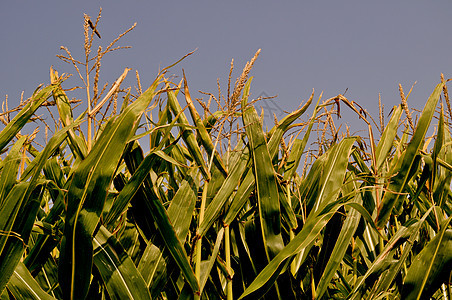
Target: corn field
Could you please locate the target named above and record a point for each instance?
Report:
(152, 195)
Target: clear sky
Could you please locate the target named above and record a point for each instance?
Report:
(367, 47)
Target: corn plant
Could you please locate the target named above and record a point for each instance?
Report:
(209, 205)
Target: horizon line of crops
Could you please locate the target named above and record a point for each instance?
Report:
(217, 209)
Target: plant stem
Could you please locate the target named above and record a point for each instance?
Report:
(199, 241)
(88, 99)
(227, 248)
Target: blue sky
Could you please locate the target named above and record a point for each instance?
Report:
(367, 47)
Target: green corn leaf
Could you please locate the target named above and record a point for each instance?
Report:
(298, 147)
(152, 264)
(287, 213)
(17, 219)
(182, 206)
(41, 250)
(247, 183)
(188, 135)
(10, 169)
(343, 240)
(385, 259)
(121, 277)
(148, 204)
(333, 172)
(278, 131)
(202, 132)
(444, 175)
(140, 211)
(440, 178)
(153, 268)
(169, 235)
(439, 141)
(5, 295)
(387, 138)
(16, 124)
(10, 210)
(293, 160)
(304, 239)
(217, 177)
(48, 279)
(309, 187)
(400, 180)
(223, 194)
(385, 284)
(127, 193)
(34, 168)
(240, 198)
(206, 267)
(20, 207)
(61, 100)
(205, 272)
(87, 193)
(308, 194)
(23, 286)
(164, 118)
(431, 267)
(267, 190)
(129, 237)
(77, 144)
